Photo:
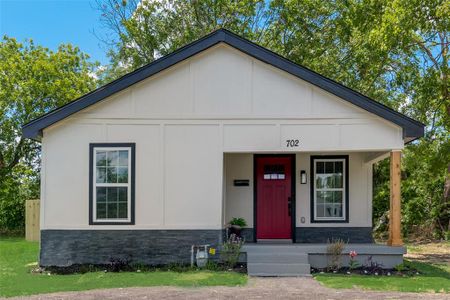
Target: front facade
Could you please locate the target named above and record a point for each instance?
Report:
(165, 157)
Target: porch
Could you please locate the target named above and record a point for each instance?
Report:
(292, 209)
(307, 197)
(279, 259)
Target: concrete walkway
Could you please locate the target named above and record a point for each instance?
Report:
(257, 288)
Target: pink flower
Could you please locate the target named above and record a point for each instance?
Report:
(353, 254)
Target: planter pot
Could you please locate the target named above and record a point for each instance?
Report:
(236, 230)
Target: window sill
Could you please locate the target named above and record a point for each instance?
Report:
(111, 223)
(329, 221)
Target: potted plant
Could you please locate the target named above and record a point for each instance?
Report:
(236, 225)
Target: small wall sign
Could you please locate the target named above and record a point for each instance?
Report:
(241, 182)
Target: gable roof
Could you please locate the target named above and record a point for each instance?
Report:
(412, 129)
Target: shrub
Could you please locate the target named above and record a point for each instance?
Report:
(117, 264)
(373, 267)
(334, 253)
(231, 250)
(353, 264)
(21, 185)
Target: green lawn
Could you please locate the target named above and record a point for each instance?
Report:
(432, 278)
(17, 257)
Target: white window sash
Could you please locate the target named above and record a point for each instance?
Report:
(122, 184)
(343, 190)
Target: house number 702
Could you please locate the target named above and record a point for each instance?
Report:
(292, 143)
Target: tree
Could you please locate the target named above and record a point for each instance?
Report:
(147, 30)
(419, 33)
(34, 80)
(396, 52)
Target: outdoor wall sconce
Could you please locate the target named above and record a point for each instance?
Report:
(303, 178)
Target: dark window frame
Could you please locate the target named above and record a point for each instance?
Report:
(131, 173)
(312, 192)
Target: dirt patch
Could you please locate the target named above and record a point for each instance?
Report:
(257, 288)
(437, 253)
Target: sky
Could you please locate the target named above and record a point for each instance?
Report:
(53, 22)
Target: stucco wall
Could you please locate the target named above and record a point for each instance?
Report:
(174, 188)
(183, 120)
(239, 199)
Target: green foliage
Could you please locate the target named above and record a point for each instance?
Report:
(431, 278)
(402, 267)
(238, 222)
(230, 251)
(148, 30)
(13, 196)
(34, 80)
(18, 257)
(353, 264)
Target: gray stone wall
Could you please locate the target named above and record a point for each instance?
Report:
(246, 233)
(322, 234)
(151, 247)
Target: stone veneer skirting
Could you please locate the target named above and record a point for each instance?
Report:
(356, 235)
(248, 234)
(151, 247)
(160, 247)
(323, 234)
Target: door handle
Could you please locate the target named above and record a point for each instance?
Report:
(289, 206)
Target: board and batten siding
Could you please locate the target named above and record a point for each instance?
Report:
(183, 120)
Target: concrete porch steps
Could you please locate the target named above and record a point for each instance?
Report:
(277, 260)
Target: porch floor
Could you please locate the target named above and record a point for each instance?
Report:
(370, 248)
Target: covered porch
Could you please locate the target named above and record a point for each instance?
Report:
(264, 187)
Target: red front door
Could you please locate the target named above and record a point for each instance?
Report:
(273, 197)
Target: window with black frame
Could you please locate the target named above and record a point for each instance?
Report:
(111, 183)
(329, 189)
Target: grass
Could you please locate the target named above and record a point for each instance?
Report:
(427, 248)
(18, 257)
(433, 278)
(434, 275)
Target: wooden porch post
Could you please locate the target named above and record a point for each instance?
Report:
(395, 237)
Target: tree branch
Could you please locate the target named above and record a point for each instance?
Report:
(428, 52)
(17, 154)
(2, 161)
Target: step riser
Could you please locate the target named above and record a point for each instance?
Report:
(279, 258)
(277, 269)
(280, 275)
(277, 261)
(274, 249)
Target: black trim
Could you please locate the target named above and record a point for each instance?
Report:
(411, 128)
(294, 199)
(91, 185)
(254, 198)
(347, 191)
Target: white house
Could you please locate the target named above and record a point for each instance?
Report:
(165, 156)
